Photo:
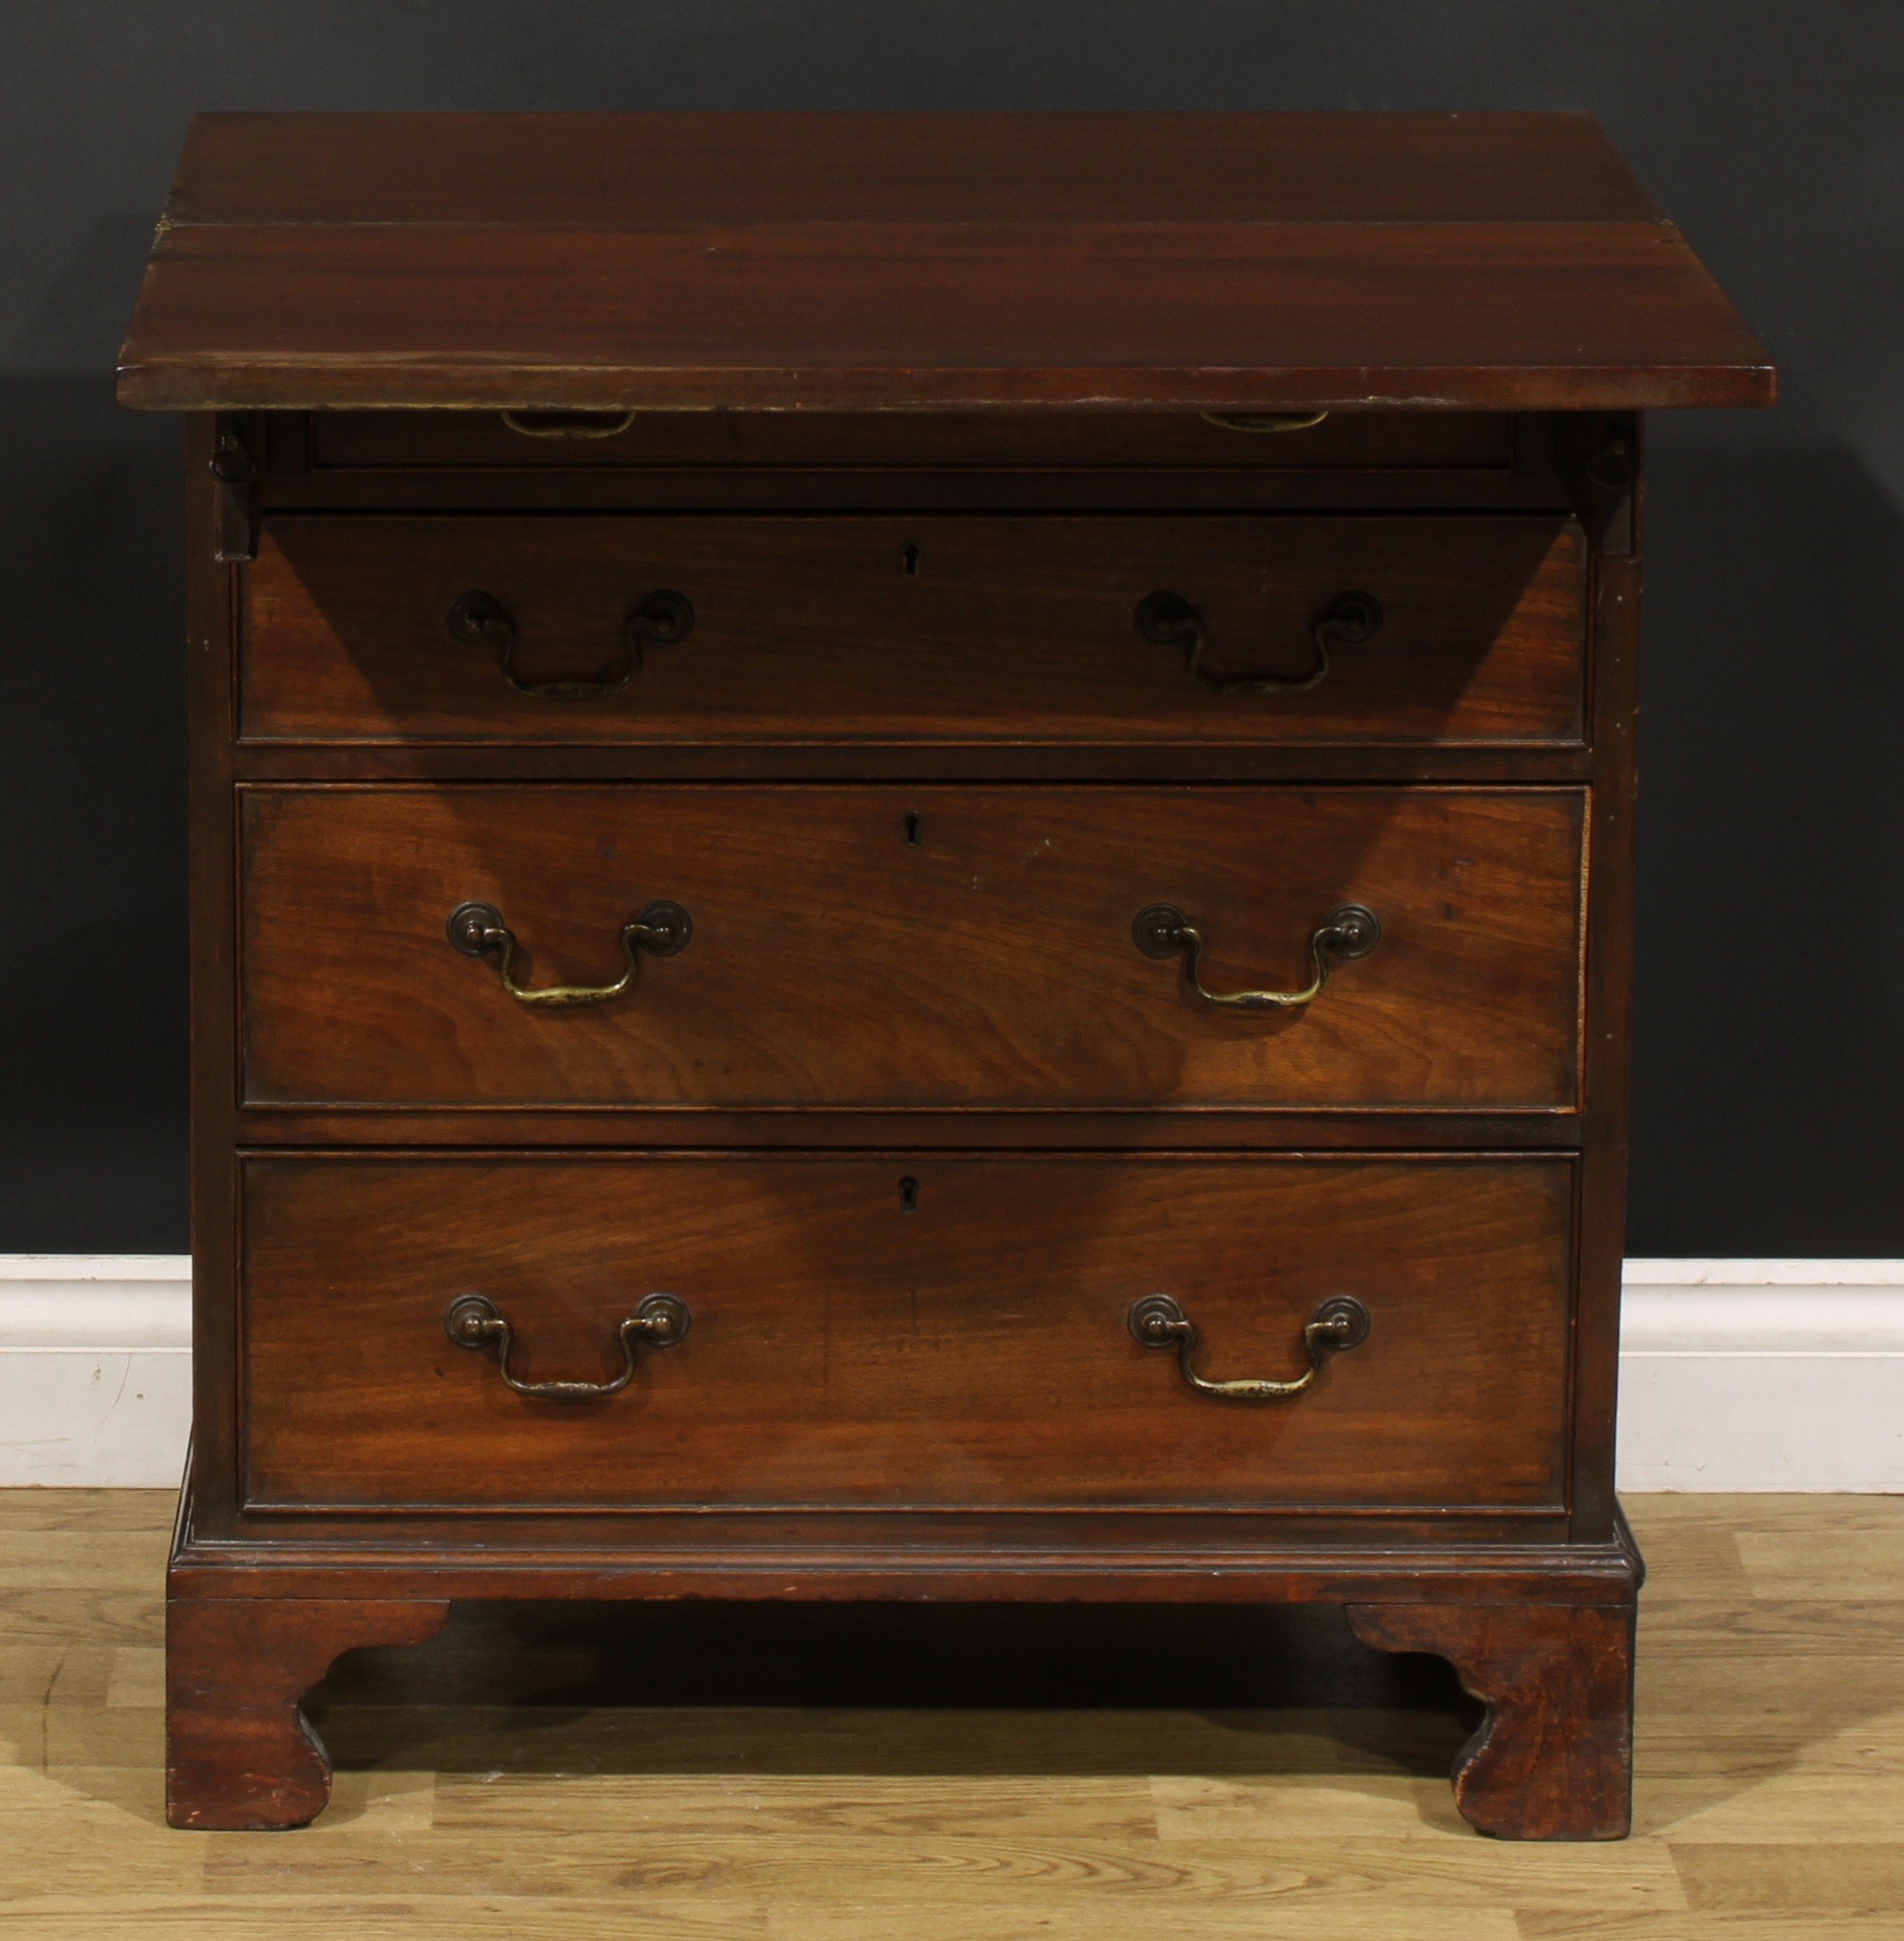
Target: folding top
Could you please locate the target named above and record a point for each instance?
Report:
(792, 261)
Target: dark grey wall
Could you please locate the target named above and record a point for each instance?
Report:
(1771, 997)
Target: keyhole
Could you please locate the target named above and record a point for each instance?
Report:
(909, 1195)
(911, 555)
(912, 828)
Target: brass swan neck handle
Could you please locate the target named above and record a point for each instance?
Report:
(478, 930)
(1350, 930)
(474, 1322)
(569, 423)
(1265, 420)
(478, 619)
(1168, 619)
(1339, 1324)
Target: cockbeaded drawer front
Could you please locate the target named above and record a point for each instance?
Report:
(1372, 630)
(878, 1332)
(698, 945)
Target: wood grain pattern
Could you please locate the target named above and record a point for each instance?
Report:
(240, 1755)
(835, 963)
(922, 630)
(857, 1340)
(797, 262)
(1553, 1759)
(1607, 1076)
(1471, 315)
(211, 703)
(914, 813)
(869, 1555)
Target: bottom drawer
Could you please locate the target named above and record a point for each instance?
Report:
(910, 1330)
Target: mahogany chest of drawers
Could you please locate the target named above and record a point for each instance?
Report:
(912, 876)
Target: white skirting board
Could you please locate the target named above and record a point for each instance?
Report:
(1735, 1374)
(1762, 1374)
(95, 1369)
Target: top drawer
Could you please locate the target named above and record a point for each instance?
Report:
(1370, 630)
(908, 440)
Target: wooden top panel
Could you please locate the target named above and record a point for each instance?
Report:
(843, 262)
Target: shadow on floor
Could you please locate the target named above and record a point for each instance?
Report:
(793, 1688)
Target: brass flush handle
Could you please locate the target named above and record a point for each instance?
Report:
(1351, 929)
(1168, 619)
(478, 930)
(479, 619)
(1265, 420)
(1340, 1323)
(569, 423)
(474, 1320)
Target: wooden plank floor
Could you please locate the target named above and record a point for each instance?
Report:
(961, 1774)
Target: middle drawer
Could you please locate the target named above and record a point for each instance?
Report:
(878, 947)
